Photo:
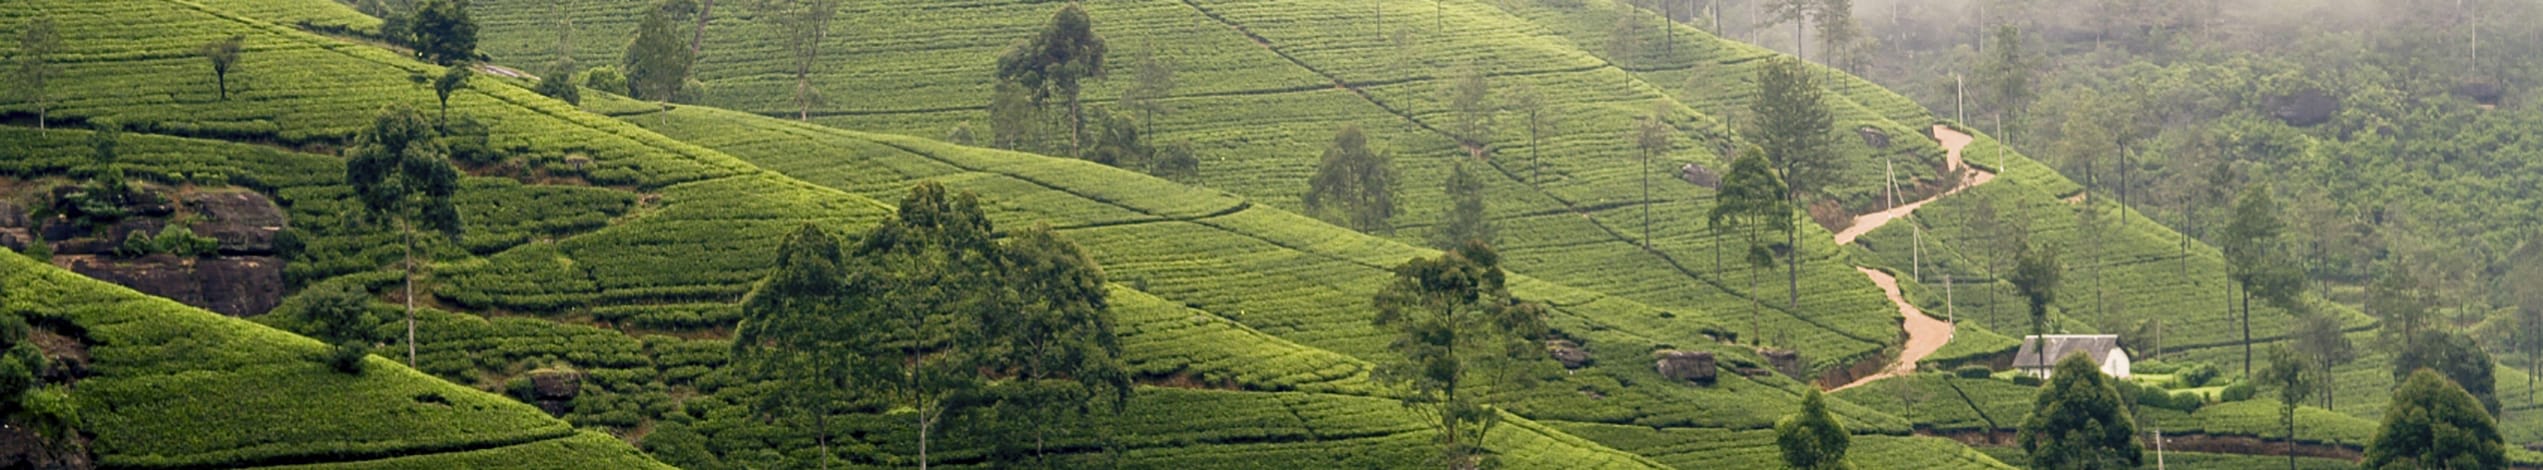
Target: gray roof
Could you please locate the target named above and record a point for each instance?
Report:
(2097, 347)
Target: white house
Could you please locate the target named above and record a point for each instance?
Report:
(2102, 349)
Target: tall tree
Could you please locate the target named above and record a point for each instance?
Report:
(1354, 181)
(1454, 324)
(2080, 421)
(2432, 423)
(2318, 336)
(2035, 275)
(1536, 113)
(223, 54)
(2459, 359)
(451, 81)
(2259, 264)
(1118, 142)
(798, 332)
(443, 32)
(1796, 12)
(2005, 77)
(930, 268)
(1467, 220)
(2400, 302)
(806, 24)
(559, 81)
(2525, 268)
(1793, 125)
(1470, 96)
(1651, 136)
(1752, 201)
(37, 45)
(1840, 37)
(1812, 439)
(1054, 62)
(1053, 339)
(2294, 377)
(1150, 88)
(402, 175)
(657, 62)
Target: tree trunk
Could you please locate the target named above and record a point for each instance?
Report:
(822, 437)
(1756, 328)
(409, 271)
(698, 38)
(2247, 331)
(1646, 200)
(222, 77)
(1076, 128)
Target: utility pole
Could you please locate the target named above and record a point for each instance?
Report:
(1959, 97)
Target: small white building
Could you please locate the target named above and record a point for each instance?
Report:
(2102, 349)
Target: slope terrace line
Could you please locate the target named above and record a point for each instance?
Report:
(1925, 334)
(1339, 83)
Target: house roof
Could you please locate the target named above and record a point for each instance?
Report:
(2097, 347)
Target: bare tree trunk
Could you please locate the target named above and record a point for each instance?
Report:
(409, 271)
(697, 38)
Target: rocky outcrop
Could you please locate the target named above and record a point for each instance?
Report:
(1784, 360)
(554, 390)
(245, 223)
(1687, 365)
(1567, 352)
(231, 285)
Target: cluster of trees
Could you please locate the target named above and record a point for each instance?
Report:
(930, 317)
(1036, 106)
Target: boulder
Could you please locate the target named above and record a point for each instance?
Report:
(1568, 353)
(244, 222)
(1873, 137)
(231, 285)
(1700, 176)
(554, 390)
(1687, 365)
(16, 239)
(1784, 360)
(2304, 108)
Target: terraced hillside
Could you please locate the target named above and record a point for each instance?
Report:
(1266, 84)
(629, 275)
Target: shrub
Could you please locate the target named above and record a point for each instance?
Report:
(2239, 391)
(137, 244)
(347, 357)
(2026, 380)
(2195, 375)
(560, 87)
(606, 78)
(181, 241)
(1973, 372)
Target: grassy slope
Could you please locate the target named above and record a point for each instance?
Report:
(1261, 111)
(654, 251)
(178, 386)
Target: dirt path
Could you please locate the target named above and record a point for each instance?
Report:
(1925, 334)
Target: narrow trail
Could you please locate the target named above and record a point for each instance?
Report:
(1925, 334)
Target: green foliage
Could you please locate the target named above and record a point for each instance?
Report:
(560, 84)
(2240, 390)
(223, 54)
(443, 32)
(2431, 423)
(2455, 357)
(1791, 121)
(806, 24)
(179, 240)
(1357, 184)
(1470, 96)
(451, 81)
(2035, 275)
(32, 63)
(1467, 220)
(2294, 377)
(1053, 62)
(1457, 330)
(1813, 439)
(2080, 421)
(1118, 142)
(339, 314)
(606, 78)
(400, 172)
(657, 63)
(1972, 372)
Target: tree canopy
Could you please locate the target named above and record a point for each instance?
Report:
(33, 61)
(658, 61)
(1812, 439)
(1455, 326)
(1467, 220)
(1353, 181)
(443, 32)
(401, 173)
(223, 54)
(2458, 358)
(2079, 421)
(2431, 423)
(1055, 62)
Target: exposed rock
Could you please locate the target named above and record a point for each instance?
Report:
(12, 216)
(1568, 353)
(1873, 137)
(70, 238)
(231, 285)
(23, 448)
(1700, 176)
(16, 239)
(1785, 361)
(554, 390)
(244, 222)
(2304, 108)
(1687, 365)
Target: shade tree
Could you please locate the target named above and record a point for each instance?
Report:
(1455, 333)
(400, 172)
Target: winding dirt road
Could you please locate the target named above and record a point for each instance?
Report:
(1925, 334)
